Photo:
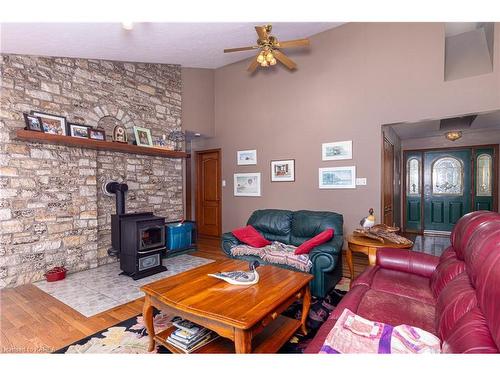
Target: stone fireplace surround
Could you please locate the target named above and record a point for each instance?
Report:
(52, 209)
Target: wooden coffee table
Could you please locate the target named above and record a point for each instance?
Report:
(248, 318)
(367, 246)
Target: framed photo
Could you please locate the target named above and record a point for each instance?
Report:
(247, 184)
(143, 136)
(283, 170)
(336, 150)
(120, 134)
(246, 157)
(337, 178)
(97, 134)
(33, 123)
(52, 124)
(78, 130)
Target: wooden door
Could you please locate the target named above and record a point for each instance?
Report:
(447, 188)
(388, 183)
(208, 192)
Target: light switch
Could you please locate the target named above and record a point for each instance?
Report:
(223, 183)
(361, 181)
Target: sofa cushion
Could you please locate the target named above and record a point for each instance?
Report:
(307, 246)
(457, 298)
(249, 235)
(403, 284)
(395, 310)
(307, 224)
(466, 227)
(446, 270)
(275, 225)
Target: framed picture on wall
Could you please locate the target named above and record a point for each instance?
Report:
(337, 178)
(283, 170)
(247, 184)
(246, 157)
(336, 151)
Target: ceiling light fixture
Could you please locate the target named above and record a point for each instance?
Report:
(453, 135)
(128, 25)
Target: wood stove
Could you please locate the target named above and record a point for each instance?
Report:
(138, 239)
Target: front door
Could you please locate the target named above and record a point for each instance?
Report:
(447, 188)
(208, 192)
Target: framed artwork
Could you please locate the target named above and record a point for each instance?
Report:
(120, 134)
(283, 170)
(337, 178)
(52, 124)
(97, 134)
(246, 157)
(78, 130)
(336, 151)
(33, 123)
(143, 136)
(247, 184)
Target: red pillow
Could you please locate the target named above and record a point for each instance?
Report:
(307, 246)
(250, 236)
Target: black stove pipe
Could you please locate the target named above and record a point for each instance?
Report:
(118, 189)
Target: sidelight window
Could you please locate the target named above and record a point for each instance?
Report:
(447, 176)
(413, 177)
(483, 175)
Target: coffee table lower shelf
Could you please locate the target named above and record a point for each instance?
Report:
(270, 340)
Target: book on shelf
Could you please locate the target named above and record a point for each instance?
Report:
(187, 338)
(187, 326)
(195, 345)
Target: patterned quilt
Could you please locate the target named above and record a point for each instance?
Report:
(278, 253)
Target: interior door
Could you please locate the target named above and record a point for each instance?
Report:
(388, 185)
(447, 188)
(484, 179)
(413, 191)
(208, 192)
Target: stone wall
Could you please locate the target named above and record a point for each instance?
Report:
(52, 209)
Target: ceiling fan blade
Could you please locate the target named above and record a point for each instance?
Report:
(240, 49)
(284, 59)
(293, 43)
(253, 65)
(261, 32)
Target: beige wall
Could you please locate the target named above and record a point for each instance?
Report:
(198, 109)
(352, 80)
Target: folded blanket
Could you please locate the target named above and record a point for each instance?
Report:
(278, 253)
(354, 334)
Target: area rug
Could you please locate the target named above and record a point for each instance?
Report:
(94, 291)
(130, 336)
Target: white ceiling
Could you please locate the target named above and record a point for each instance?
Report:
(430, 128)
(197, 45)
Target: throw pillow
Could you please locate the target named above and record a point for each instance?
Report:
(250, 236)
(319, 239)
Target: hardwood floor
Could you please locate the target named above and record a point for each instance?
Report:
(32, 321)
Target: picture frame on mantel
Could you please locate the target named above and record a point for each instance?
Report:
(246, 157)
(336, 151)
(52, 124)
(247, 185)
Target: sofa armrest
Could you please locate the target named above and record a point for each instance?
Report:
(407, 261)
(228, 241)
(334, 246)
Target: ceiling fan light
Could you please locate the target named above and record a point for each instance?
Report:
(272, 62)
(264, 63)
(269, 57)
(261, 58)
(453, 135)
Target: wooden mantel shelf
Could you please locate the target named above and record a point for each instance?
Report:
(64, 140)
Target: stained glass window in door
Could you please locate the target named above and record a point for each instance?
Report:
(413, 177)
(447, 176)
(483, 175)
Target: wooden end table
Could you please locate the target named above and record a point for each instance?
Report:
(248, 318)
(367, 246)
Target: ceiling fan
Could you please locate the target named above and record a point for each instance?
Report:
(270, 49)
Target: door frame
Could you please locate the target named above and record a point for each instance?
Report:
(382, 190)
(473, 178)
(197, 184)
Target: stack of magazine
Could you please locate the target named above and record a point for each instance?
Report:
(189, 337)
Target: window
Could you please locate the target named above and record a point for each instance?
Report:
(447, 176)
(483, 175)
(413, 177)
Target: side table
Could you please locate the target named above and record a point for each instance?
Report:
(367, 246)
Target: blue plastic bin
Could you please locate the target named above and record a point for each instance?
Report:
(179, 236)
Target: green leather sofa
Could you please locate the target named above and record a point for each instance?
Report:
(294, 228)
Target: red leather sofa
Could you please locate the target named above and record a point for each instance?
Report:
(455, 296)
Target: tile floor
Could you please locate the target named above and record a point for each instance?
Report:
(99, 289)
(433, 245)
